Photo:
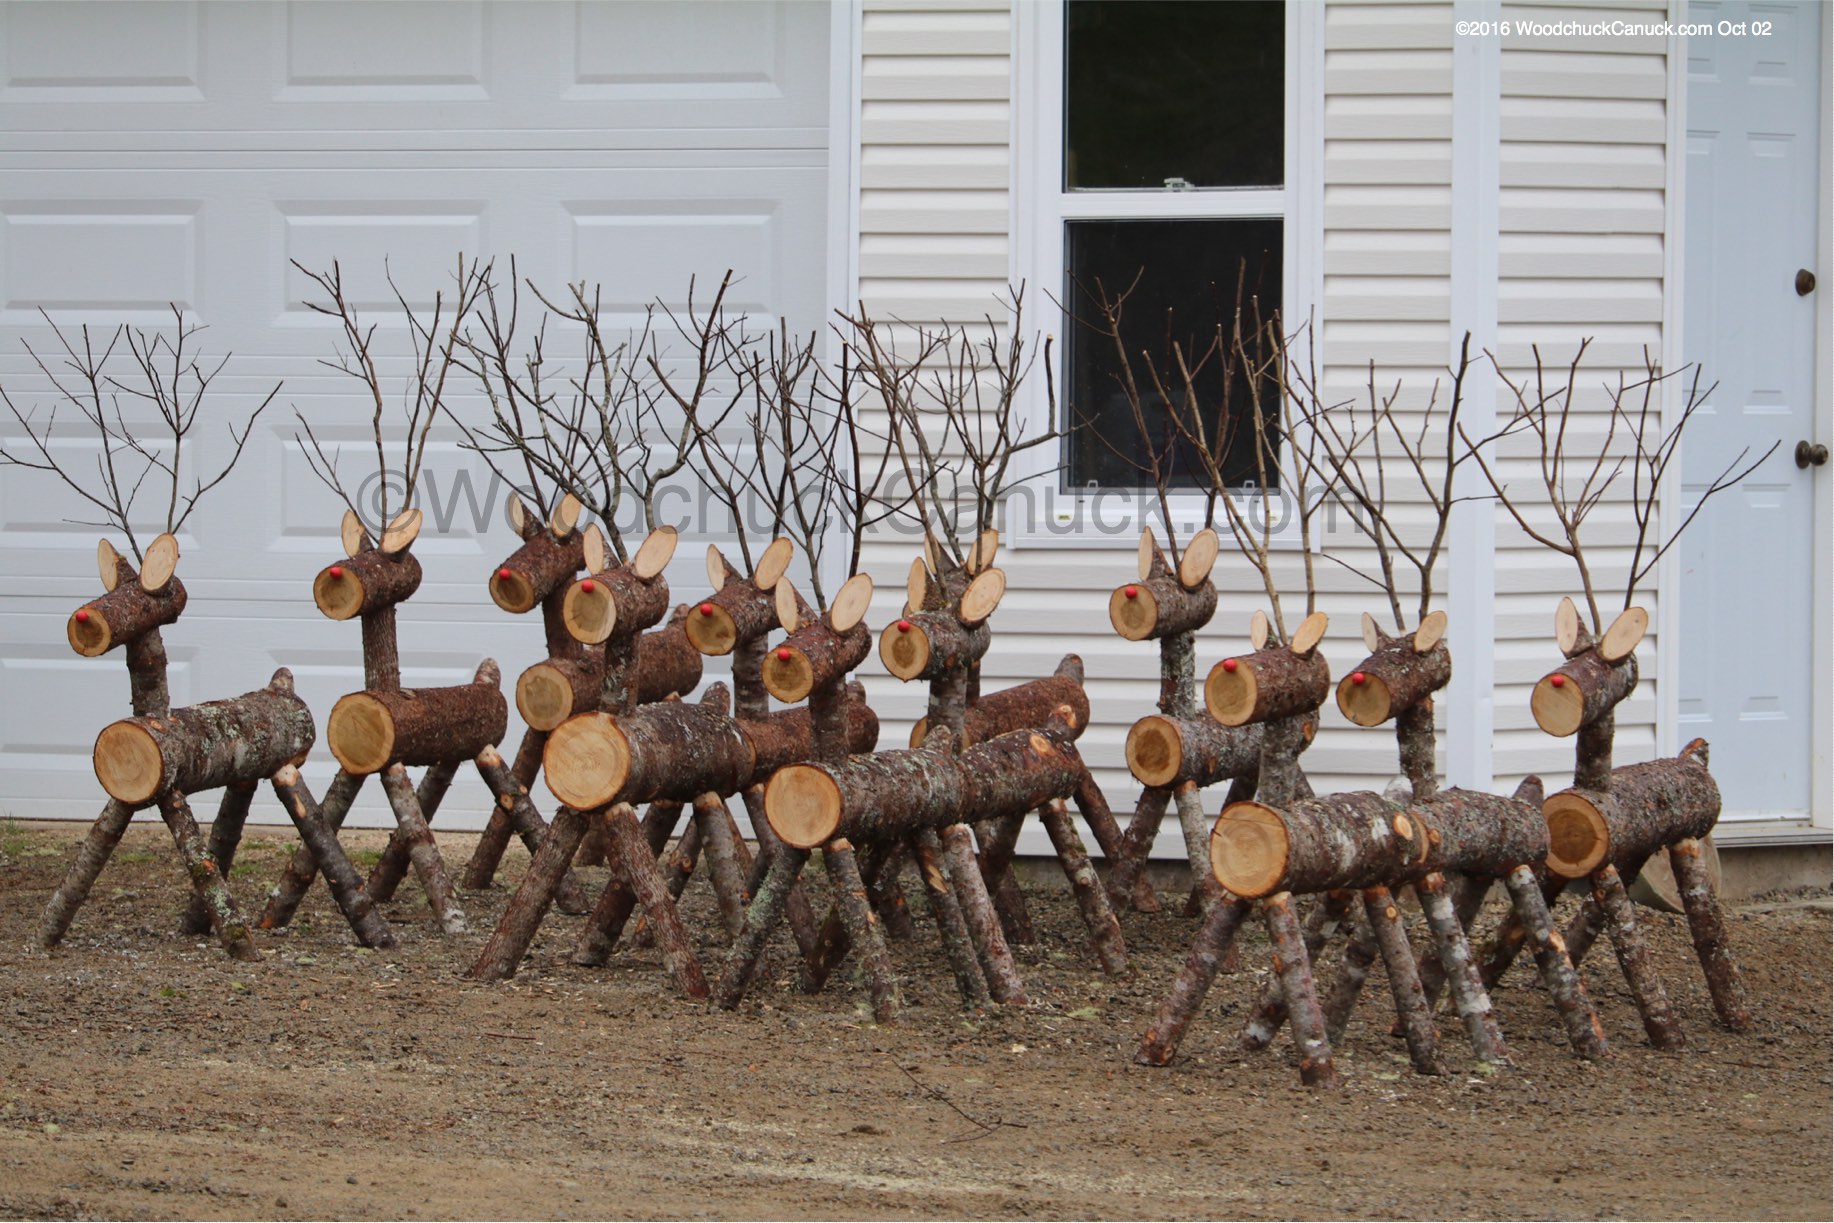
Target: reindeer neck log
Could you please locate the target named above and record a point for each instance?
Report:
(892, 795)
(234, 742)
(1397, 680)
(1023, 707)
(1167, 752)
(1645, 808)
(370, 730)
(370, 584)
(131, 616)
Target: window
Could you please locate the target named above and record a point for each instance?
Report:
(1163, 146)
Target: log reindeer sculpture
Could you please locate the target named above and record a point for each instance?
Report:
(1613, 820)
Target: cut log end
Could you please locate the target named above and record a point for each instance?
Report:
(338, 591)
(586, 761)
(1248, 850)
(1559, 707)
(1578, 837)
(803, 805)
(361, 734)
(128, 763)
(511, 591)
(590, 615)
(544, 696)
(1134, 615)
(1367, 704)
(711, 630)
(89, 633)
(1230, 693)
(1155, 750)
(788, 674)
(905, 652)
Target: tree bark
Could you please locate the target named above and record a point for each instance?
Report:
(723, 870)
(1352, 840)
(1461, 971)
(637, 863)
(397, 858)
(520, 815)
(423, 854)
(1022, 707)
(1723, 979)
(983, 924)
(788, 736)
(761, 919)
(206, 880)
(225, 838)
(1294, 968)
(667, 662)
(671, 750)
(148, 694)
(1214, 938)
(1266, 685)
(619, 899)
(341, 879)
(1280, 780)
(1329, 917)
(283, 900)
(1127, 881)
(1633, 957)
(91, 857)
(997, 839)
(370, 730)
(236, 742)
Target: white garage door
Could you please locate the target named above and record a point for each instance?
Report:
(187, 152)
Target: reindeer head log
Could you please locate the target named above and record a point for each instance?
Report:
(927, 645)
(1394, 678)
(1266, 685)
(367, 582)
(1159, 606)
(812, 657)
(536, 570)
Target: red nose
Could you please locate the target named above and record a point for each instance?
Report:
(706, 609)
(1358, 678)
(904, 626)
(337, 571)
(503, 573)
(783, 655)
(1132, 592)
(1230, 664)
(82, 616)
(1559, 681)
(588, 586)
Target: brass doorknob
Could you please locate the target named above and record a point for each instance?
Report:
(1811, 454)
(1805, 282)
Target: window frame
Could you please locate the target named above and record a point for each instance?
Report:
(1042, 207)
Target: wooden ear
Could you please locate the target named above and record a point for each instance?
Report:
(108, 564)
(717, 568)
(1430, 631)
(1566, 626)
(352, 534)
(1372, 633)
(565, 516)
(401, 533)
(654, 552)
(850, 602)
(772, 563)
(786, 605)
(1258, 630)
(1149, 553)
(1310, 632)
(595, 549)
(518, 515)
(982, 596)
(160, 563)
(985, 549)
(916, 586)
(1198, 559)
(1623, 635)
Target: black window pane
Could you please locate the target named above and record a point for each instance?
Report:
(1184, 276)
(1186, 89)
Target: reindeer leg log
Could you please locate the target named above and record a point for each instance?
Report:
(832, 938)
(761, 919)
(1092, 805)
(1705, 924)
(711, 817)
(996, 840)
(284, 899)
(519, 815)
(482, 868)
(983, 923)
(423, 853)
(636, 861)
(1585, 1033)
(1461, 971)
(862, 928)
(91, 857)
(1330, 915)
(1294, 968)
(1127, 881)
(1104, 928)
(888, 895)
(1347, 985)
(950, 927)
(1468, 893)
(1403, 980)
(1633, 957)
(619, 899)
(397, 859)
(1196, 828)
(206, 880)
(1214, 938)
(225, 838)
(504, 950)
(797, 908)
(678, 866)
(341, 878)
(1507, 943)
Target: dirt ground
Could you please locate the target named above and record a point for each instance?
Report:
(144, 1075)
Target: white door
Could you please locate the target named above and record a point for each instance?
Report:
(186, 152)
(1754, 158)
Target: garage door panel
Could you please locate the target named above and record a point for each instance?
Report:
(129, 55)
(357, 50)
(108, 259)
(414, 242)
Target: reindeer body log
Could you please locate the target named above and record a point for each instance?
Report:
(1167, 752)
(1266, 685)
(1023, 706)
(1648, 806)
(550, 692)
(892, 795)
(1354, 840)
(370, 730)
(234, 742)
(670, 750)
(788, 735)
